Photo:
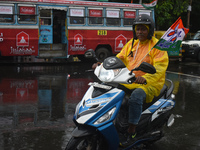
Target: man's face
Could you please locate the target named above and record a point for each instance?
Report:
(141, 32)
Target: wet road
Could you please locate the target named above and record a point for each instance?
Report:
(37, 103)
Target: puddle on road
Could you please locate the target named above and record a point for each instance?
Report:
(37, 106)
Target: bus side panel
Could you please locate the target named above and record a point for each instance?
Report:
(82, 40)
(19, 42)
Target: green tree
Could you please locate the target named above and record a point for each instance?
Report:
(168, 11)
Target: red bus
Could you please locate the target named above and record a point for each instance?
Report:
(46, 29)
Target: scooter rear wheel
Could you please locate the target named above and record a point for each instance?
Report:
(86, 143)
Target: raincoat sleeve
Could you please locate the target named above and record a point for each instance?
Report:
(125, 51)
(160, 62)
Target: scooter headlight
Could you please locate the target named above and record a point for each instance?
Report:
(108, 75)
(106, 116)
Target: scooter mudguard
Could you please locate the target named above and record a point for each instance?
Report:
(108, 131)
(83, 131)
(111, 135)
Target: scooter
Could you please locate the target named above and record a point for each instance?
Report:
(101, 117)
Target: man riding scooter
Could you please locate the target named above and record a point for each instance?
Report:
(146, 86)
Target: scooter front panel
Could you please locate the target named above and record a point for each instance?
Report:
(90, 106)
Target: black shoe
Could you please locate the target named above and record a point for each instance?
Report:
(131, 138)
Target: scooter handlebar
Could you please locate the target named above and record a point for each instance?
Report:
(132, 80)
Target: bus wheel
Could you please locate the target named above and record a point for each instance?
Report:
(102, 53)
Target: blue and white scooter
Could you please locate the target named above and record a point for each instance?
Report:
(101, 117)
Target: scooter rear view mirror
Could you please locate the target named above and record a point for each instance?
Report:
(145, 67)
(90, 53)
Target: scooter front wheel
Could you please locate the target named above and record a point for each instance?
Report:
(86, 143)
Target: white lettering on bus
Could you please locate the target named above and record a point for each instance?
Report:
(98, 13)
(77, 48)
(27, 10)
(22, 50)
(130, 14)
(1, 39)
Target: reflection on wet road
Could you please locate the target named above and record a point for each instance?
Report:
(184, 134)
(37, 103)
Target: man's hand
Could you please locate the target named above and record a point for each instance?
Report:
(95, 65)
(140, 80)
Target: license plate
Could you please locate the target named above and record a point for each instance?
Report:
(95, 84)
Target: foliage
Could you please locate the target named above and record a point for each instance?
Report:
(168, 11)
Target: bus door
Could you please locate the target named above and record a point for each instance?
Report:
(52, 40)
(59, 35)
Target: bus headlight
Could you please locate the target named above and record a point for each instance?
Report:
(106, 116)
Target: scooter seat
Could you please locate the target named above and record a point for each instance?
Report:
(162, 94)
(128, 92)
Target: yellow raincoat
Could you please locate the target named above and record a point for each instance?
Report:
(159, 59)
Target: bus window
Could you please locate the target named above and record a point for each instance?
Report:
(145, 12)
(129, 17)
(95, 17)
(27, 14)
(45, 17)
(6, 14)
(77, 16)
(112, 18)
